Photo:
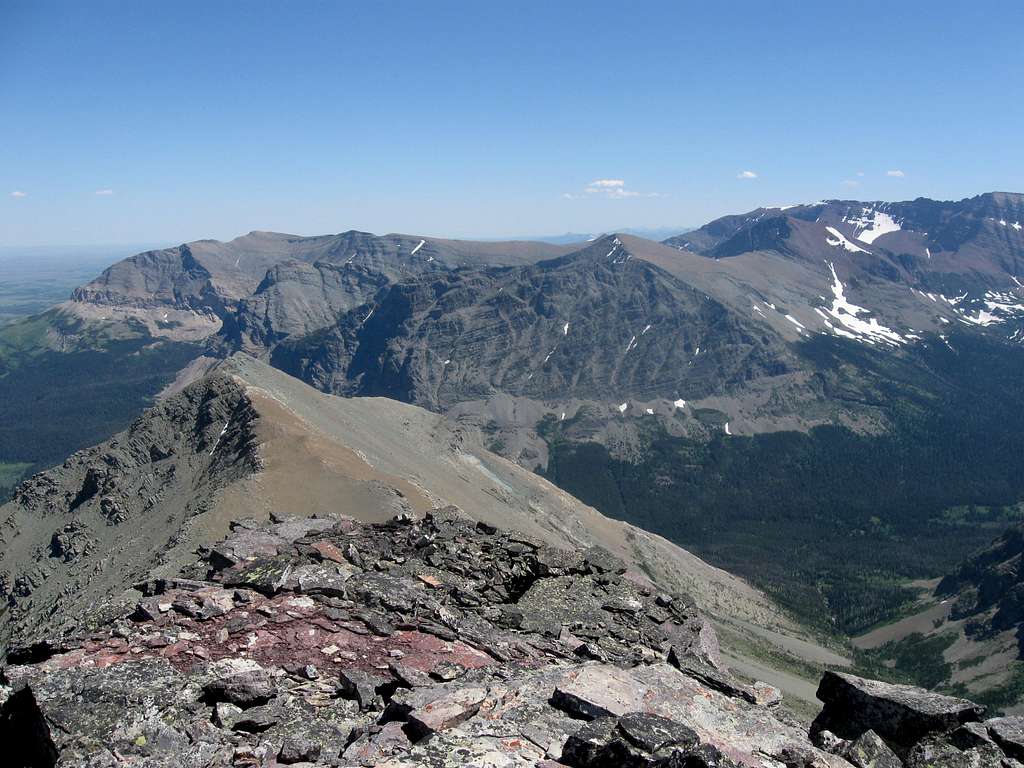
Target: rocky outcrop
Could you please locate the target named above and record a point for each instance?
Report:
(438, 642)
(409, 643)
(75, 534)
(987, 589)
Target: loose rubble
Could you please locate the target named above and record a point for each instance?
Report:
(438, 642)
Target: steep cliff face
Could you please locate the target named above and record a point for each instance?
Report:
(295, 299)
(598, 325)
(213, 275)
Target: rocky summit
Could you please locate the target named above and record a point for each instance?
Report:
(437, 641)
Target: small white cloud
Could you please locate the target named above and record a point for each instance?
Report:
(895, 174)
(860, 173)
(613, 189)
(104, 192)
(851, 183)
(746, 175)
(19, 193)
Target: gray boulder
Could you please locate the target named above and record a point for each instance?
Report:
(901, 714)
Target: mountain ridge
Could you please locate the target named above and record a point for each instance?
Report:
(246, 441)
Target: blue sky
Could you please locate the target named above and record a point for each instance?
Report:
(146, 122)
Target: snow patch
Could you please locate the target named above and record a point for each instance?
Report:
(565, 329)
(649, 411)
(727, 431)
(623, 407)
(217, 444)
(418, 246)
(873, 224)
(680, 403)
(838, 240)
(849, 316)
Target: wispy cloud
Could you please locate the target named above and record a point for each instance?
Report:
(19, 193)
(610, 188)
(851, 183)
(746, 175)
(897, 174)
(606, 184)
(104, 192)
(613, 189)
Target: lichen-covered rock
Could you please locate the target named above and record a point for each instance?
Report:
(1008, 733)
(940, 753)
(869, 751)
(242, 687)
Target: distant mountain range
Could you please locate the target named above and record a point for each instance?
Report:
(798, 394)
(649, 233)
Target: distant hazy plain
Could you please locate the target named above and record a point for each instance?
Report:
(34, 278)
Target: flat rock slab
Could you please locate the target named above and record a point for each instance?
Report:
(448, 710)
(742, 732)
(264, 574)
(599, 691)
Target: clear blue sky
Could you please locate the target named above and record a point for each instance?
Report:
(126, 122)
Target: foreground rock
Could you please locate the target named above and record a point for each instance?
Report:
(883, 725)
(430, 642)
(437, 642)
(902, 714)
